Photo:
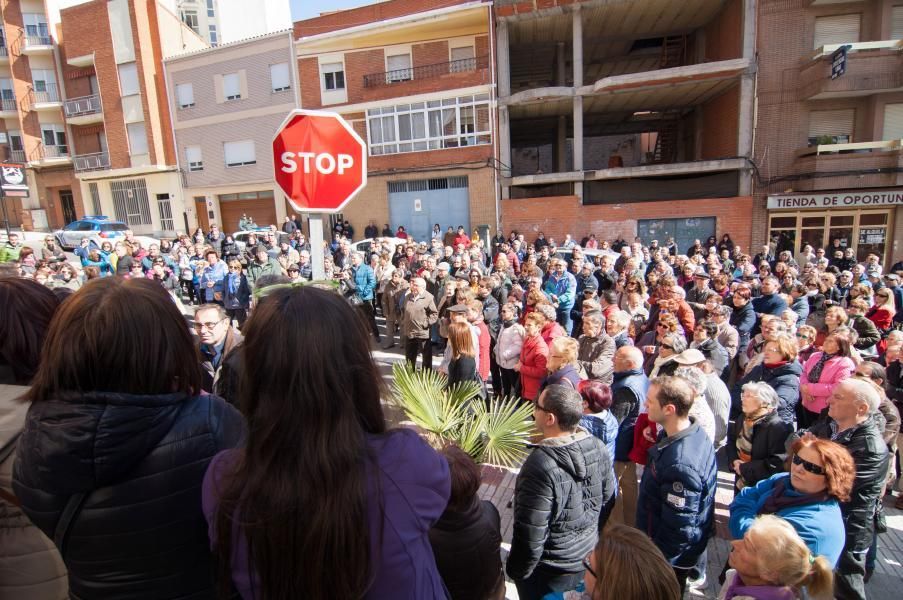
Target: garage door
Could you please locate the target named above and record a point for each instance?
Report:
(257, 205)
(684, 231)
(418, 204)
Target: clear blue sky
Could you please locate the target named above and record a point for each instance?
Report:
(305, 9)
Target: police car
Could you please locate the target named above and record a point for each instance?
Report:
(96, 228)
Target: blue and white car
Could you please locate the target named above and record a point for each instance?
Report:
(95, 228)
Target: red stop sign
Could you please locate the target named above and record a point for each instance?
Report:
(319, 161)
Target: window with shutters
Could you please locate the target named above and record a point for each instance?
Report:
(836, 29)
(896, 23)
(231, 87)
(398, 67)
(333, 76)
(280, 77)
(893, 122)
(194, 159)
(238, 154)
(831, 126)
(185, 95)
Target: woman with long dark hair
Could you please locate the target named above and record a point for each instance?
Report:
(116, 442)
(323, 502)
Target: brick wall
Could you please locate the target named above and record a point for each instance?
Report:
(557, 216)
(724, 33)
(720, 119)
(429, 53)
(367, 14)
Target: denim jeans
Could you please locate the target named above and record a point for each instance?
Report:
(540, 583)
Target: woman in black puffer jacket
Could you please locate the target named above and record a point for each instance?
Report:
(110, 462)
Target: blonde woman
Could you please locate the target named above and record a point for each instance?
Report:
(772, 561)
(562, 364)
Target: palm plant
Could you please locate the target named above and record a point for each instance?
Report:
(496, 434)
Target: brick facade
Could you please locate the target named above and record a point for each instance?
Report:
(371, 13)
(720, 119)
(559, 215)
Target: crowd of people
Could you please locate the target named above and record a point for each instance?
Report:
(646, 368)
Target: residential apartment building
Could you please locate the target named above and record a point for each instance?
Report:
(32, 128)
(626, 118)
(122, 146)
(828, 143)
(226, 105)
(415, 80)
(226, 21)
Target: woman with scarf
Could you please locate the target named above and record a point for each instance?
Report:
(755, 445)
(779, 369)
(236, 294)
(821, 374)
(821, 477)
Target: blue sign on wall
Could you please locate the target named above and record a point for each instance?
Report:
(839, 61)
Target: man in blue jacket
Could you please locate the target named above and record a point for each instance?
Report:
(561, 289)
(676, 505)
(628, 391)
(363, 280)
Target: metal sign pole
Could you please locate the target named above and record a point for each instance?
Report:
(315, 221)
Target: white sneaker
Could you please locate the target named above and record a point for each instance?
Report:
(697, 584)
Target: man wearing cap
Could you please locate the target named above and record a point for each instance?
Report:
(699, 293)
(418, 316)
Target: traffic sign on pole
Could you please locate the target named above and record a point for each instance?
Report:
(320, 163)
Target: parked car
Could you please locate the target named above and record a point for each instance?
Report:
(241, 237)
(365, 245)
(591, 253)
(96, 228)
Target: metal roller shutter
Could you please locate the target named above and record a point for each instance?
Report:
(896, 23)
(837, 123)
(893, 122)
(262, 210)
(836, 29)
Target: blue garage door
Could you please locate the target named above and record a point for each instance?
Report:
(684, 231)
(419, 204)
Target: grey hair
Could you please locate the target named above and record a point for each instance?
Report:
(864, 393)
(764, 392)
(622, 318)
(678, 342)
(547, 310)
(694, 377)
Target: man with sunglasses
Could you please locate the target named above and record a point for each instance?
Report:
(852, 420)
(560, 491)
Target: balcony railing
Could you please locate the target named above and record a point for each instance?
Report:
(38, 40)
(4, 51)
(55, 151)
(424, 72)
(17, 156)
(8, 104)
(91, 162)
(86, 105)
(50, 93)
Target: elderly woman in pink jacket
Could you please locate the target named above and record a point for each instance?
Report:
(821, 373)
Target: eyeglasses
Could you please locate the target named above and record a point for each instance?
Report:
(662, 325)
(536, 404)
(803, 336)
(589, 568)
(811, 467)
(208, 326)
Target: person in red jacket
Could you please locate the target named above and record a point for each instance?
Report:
(882, 315)
(475, 317)
(533, 358)
(462, 238)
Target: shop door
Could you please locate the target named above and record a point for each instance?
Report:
(68, 205)
(419, 204)
(684, 231)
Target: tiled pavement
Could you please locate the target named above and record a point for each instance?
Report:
(498, 487)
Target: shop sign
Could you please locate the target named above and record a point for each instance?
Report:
(872, 236)
(843, 199)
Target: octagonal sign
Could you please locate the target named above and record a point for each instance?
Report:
(318, 161)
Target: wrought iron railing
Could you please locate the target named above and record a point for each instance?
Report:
(8, 104)
(55, 151)
(424, 72)
(17, 156)
(38, 40)
(4, 51)
(85, 105)
(91, 162)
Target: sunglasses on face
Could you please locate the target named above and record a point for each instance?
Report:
(808, 466)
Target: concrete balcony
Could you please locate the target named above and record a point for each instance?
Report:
(872, 68)
(98, 161)
(85, 60)
(36, 45)
(820, 162)
(8, 108)
(49, 156)
(46, 99)
(84, 111)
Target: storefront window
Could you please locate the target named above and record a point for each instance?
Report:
(867, 232)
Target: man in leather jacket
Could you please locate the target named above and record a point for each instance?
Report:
(851, 420)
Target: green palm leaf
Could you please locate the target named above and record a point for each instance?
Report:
(507, 426)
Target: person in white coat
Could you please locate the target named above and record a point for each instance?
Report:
(508, 348)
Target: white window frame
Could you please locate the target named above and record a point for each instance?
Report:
(211, 12)
(133, 150)
(330, 69)
(246, 158)
(395, 53)
(277, 82)
(213, 34)
(395, 127)
(194, 159)
(128, 74)
(197, 22)
(58, 131)
(227, 78)
(184, 95)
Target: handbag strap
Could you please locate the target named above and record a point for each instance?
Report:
(70, 513)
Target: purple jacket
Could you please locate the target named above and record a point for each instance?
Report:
(815, 395)
(415, 486)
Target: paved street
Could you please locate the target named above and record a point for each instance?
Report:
(498, 487)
